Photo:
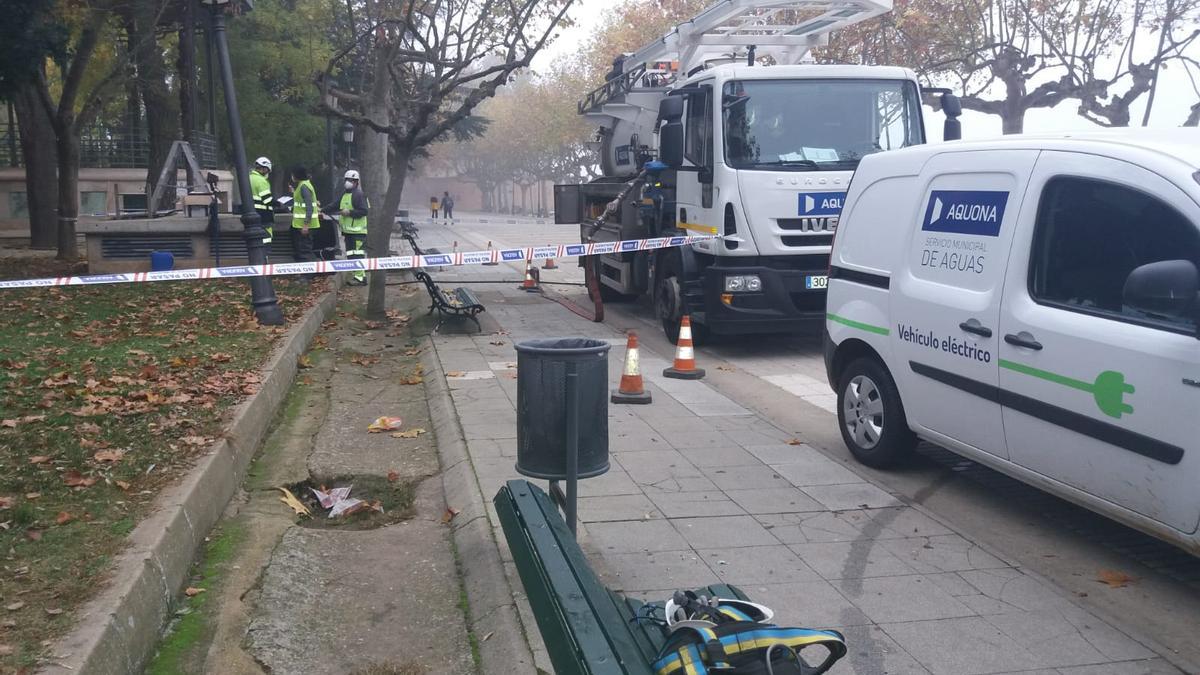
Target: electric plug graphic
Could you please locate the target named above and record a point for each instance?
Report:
(1109, 390)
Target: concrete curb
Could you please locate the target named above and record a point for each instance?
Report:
(490, 598)
(118, 630)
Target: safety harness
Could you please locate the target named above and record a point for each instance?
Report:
(728, 637)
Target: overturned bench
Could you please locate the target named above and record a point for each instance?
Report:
(458, 302)
(587, 629)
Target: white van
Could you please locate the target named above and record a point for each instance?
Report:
(1032, 303)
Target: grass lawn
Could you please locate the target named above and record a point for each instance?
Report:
(107, 394)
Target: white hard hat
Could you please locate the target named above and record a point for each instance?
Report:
(351, 175)
(263, 162)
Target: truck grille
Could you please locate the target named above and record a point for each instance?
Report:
(809, 224)
(808, 240)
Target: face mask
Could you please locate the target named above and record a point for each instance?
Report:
(349, 185)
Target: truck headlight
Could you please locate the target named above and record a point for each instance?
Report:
(743, 282)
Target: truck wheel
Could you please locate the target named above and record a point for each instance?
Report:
(871, 415)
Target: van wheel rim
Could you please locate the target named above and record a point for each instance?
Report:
(862, 407)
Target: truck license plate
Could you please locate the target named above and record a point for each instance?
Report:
(816, 282)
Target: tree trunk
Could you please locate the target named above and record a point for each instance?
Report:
(41, 177)
(1013, 122)
(1193, 118)
(67, 144)
(162, 117)
(378, 237)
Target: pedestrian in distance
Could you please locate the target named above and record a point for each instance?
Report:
(305, 210)
(352, 212)
(447, 206)
(433, 206)
(264, 201)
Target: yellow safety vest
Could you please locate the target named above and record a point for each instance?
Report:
(298, 210)
(352, 225)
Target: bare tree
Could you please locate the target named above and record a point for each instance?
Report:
(423, 67)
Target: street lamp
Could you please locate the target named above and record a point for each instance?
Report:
(331, 103)
(262, 293)
(348, 139)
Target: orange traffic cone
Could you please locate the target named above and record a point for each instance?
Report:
(531, 279)
(685, 355)
(493, 262)
(632, 389)
(549, 264)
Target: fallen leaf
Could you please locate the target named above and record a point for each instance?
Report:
(32, 495)
(449, 514)
(304, 362)
(14, 606)
(295, 504)
(33, 535)
(220, 357)
(8, 424)
(411, 433)
(455, 373)
(192, 591)
(728, 369)
(373, 325)
(385, 424)
(412, 352)
(412, 379)
(38, 459)
(53, 611)
(88, 428)
(64, 518)
(795, 441)
(195, 441)
(393, 476)
(7, 502)
(1114, 578)
(109, 455)
(122, 484)
(74, 479)
(136, 352)
(488, 636)
(6, 650)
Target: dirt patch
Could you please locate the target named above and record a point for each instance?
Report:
(390, 669)
(384, 502)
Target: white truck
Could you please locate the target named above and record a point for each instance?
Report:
(723, 127)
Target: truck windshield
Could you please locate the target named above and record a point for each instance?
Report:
(814, 125)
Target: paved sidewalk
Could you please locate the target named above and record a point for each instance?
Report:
(702, 490)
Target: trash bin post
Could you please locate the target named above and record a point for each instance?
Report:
(572, 443)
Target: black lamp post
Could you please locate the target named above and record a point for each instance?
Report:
(262, 293)
(348, 139)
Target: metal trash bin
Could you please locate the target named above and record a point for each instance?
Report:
(562, 412)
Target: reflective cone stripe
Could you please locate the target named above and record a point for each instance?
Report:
(631, 378)
(530, 282)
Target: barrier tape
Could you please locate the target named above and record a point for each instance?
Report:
(401, 262)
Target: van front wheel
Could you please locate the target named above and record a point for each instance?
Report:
(871, 416)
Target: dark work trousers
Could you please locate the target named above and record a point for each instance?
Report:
(302, 246)
(448, 211)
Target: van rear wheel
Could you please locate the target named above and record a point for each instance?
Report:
(871, 416)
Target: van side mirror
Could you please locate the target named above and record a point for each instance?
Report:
(951, 108)
(670, 109)
(1165, 287)
(670, 144)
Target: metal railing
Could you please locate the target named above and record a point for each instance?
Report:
(112, 147)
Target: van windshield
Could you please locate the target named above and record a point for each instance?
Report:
(814, 125)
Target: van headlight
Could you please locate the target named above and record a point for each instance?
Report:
(743, 283)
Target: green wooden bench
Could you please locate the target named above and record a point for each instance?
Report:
(588, 629)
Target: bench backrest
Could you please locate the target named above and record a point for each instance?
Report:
(430, 285)
(587, 629)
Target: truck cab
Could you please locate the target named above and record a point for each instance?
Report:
(763, 156)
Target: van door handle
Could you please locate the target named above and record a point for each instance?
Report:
(974, 327)
(1023, 340)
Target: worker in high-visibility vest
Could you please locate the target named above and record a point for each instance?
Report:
(264, 201)
(305, 215)
(352, 212)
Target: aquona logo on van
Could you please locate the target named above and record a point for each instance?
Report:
(821, 203)
(977, 212)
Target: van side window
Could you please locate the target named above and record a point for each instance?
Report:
(697, 146)
(1091, 234)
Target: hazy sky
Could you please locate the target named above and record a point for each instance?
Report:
(1175, 92)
